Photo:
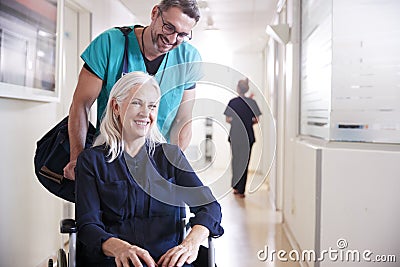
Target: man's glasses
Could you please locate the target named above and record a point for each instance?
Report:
(169, 29)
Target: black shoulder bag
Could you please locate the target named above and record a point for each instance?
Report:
(52, 150)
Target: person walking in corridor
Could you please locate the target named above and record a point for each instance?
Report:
(242, 112)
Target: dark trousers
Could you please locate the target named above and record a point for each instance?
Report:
(241, 152)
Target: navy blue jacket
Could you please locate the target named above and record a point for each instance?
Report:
(139, 200)
(242, 110)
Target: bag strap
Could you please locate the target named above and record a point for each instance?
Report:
(125, 31)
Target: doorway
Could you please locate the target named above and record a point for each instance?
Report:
(76, 36)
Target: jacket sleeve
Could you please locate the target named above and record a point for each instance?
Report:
(91, 230)
(198, 197)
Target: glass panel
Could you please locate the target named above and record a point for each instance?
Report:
(350, 70)
(13, 61)
(28, 48)
(366, 71)
(316, 68)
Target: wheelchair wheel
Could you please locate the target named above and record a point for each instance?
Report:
(61, 258)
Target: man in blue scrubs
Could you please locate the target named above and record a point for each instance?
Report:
(159, 49)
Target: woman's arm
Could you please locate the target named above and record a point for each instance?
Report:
(202, 203)
(88, 214)
(198, 197)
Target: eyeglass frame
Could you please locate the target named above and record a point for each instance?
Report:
(181, 35)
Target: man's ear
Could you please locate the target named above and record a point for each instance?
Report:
(154, 13)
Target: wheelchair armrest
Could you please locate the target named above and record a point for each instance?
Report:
(68, 226)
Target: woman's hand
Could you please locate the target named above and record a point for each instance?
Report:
(177, 256)
(187, 251)
(125, 253)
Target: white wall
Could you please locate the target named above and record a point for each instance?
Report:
(107, 14)
(349, 191)
(299, 190)
(343, 191)
(359, 199)
(29, 214)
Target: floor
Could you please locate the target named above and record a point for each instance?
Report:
(251, 225)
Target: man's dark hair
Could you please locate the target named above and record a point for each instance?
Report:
(188, 7)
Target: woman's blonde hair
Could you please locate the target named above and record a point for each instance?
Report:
(111, 128)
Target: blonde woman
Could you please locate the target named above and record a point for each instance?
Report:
(130, 187)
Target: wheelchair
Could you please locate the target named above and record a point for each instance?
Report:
(206, 256)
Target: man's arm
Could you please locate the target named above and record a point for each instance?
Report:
(86, 92)
(181, 130)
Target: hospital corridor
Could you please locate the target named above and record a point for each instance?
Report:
(303, 96)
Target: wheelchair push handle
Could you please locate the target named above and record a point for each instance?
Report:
(68, 226)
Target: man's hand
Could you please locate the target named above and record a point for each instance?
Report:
(69, 170)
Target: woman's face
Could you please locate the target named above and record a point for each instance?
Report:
(138, 112)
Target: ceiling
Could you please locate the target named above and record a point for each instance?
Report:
(239, 23)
